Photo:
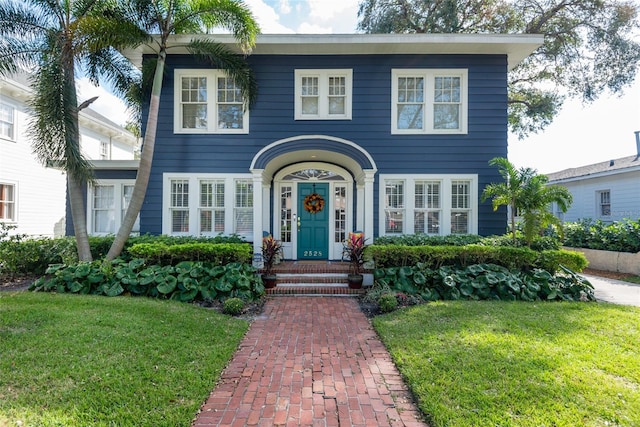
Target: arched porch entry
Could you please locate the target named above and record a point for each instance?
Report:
(293, 170)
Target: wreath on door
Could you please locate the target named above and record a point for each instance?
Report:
(313, 203)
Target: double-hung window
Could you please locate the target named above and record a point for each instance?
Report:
(429, 101)
(7, 202)
(428, 204)
(323, 94)
(460, 206)
(109, 200)
(211, 206)
(604, 203)
(207, 204)
(7, 121)
(208, 101)
(428, 207)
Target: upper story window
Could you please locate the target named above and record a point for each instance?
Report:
(7, 121)
(105, 150)
(208, 101)
(323, 94)
(604, 203)
(429, 101)
(7, 202)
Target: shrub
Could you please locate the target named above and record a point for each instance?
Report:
(482, 282)
(233, 306)
(428, 240)
(388, 302)
(171, 254)
(186, 281)
(619, 236)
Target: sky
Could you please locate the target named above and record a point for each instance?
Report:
(579, 135)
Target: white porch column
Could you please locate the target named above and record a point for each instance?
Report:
(369, 208)
(360, 206)
(257, 210)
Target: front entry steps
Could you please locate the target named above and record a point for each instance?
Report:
(309, 278)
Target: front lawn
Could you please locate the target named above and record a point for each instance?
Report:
(70, 360)
(519, 364)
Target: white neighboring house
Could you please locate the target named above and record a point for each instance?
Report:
(32, 197)
(607, 191)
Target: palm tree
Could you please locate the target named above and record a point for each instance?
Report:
(54, 38)
(527, 192)
(165, 18)
(509, 192)
(537, 197)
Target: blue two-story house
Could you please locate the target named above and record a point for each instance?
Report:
(385, 134)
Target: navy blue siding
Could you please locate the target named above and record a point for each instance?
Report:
(272, 119)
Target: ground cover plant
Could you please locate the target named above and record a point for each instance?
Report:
(76, 360)
(187, 281)
(619, 236)
(519, 363)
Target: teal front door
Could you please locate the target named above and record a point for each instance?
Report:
(313, 221)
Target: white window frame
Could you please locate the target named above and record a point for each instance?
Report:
(119, 207)
(194, 205)
(12, 124)
(14, 203)
(323, 76)
(429, 75)
(213, 125)
(599, 204)
(105, 150)
(408, 224)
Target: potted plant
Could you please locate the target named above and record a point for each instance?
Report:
(271, 251)
(354, 250)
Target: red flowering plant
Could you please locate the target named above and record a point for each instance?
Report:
(354, 250)
(271, 250)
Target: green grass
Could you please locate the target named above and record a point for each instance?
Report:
(519, 364)
(632, 279)
(70, 360)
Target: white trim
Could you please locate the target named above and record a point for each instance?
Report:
(307, 137)
(429, 75)
(213, 125)
(194, 202)
(515, 46)
(16, 211)
(290, 248)
(409, 200)
(323, 76)
(14, 124)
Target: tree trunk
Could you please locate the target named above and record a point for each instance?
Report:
(78, 215)
(144, 170)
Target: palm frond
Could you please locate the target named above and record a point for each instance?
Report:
(233, 64)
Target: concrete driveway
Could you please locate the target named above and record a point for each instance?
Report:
(615, 291)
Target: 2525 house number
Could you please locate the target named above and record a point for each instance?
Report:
(312, 253)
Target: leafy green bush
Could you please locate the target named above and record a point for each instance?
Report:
(388, 302)
(233, 306)
(20, 254)
(428, 240)
(186, 281)
(619, 236)
(482, 282)
(216, 253)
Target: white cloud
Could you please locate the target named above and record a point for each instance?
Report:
(107, 104)
(267, 18)
(285, 7)
(341, 16)
(307, 28)
(329, 9)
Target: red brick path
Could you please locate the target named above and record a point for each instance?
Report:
(310, 361)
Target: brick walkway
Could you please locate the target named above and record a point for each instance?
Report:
(310, 361)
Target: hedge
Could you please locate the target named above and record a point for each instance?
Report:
(214, 253)
(385, 256)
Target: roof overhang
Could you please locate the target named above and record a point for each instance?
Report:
(515, 46)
